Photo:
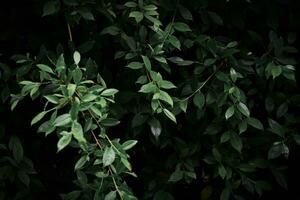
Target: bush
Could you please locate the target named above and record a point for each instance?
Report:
(149, 100)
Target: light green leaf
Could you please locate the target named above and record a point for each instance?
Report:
(77, 132)
(182, 27)
(164, 96)
(64, 141)
(71, 89)
(170, 115)
(183, 105)
(129, 144)
(108, 156)
(148, 88)
(166, 84)
(109, 122)
(76, 57)
(45, 68)
(130, 4)
(276, 71)
(112, 195)
(52, 99)
(38, 117)
(77, 75)
(137, 15)
(109, 92)
(135, 65)
(155, 127)
(89, 97)
(243, 109)
(229, 112)
(147, 62)
(222, 171)
(80, 163)
(62, 120)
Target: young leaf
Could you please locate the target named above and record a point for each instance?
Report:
(243, 109)
(182, 27)
(62, 120)
(147, 62)
(135, 65)
(76, 57)
(64, 141)
(109, 92)
(170, 115)
(38, 117)
(108, 156)
(138, 16)
(155, 127)
(229, 112)
(45, 68)
(129, 144)
(255, 123)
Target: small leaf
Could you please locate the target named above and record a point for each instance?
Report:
(38, 117)
(176, 176)
(62, 120)
(199, 100)
(52, 99)
(148, 88)
(77, 132)
(51, 7)
(89, 97)
(255, 123)
(129, 144)
(276, 71)
(170, 115)
(112, 195)
(77, 75)
(137, 15)
(183, 105)
(76, 57)
(222, 171)
(71, 89)
(275, 151)
(225, 194)
(147, 62)
(182, 27)
(243, 109)
(108, 156)
(80, 163)
(64, 141)
(155, 127)
(109, 92)
(109, 122)
(45, 68)
(236, 142)
(164, 96)
(130, 4)
(167, 84)
(135, 65)
(229, 112)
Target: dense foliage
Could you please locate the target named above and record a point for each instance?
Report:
(149, 99)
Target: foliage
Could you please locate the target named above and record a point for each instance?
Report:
(192, 94)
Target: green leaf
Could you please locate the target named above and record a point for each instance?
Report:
(255, 123)
(176, 176)
(51, 7)
(16, 147)
(77, 132)
(222, 171)
(112, 30)
(112, 195)
(166, 84)
(80, 163)
(38, 117)
(243, 109)
(109, 92)
(236, 142)
(24, 178)
(108, 156)
(135, 65)
(229, 112)
(225, 194)
(164, 96)
(130, 4)
(129, 144)
(174, 41)
(64, 141)
(183, 105)
(225, 137)
(89, 97)
(148, 88)
(185, 13)
(71, 89)
(137, 15)
(126, 163)
(170, 115)
(62, 120)
(147, 62)
(76, 57)
(77, 75)
(53, 99)
(199, 100)
(276, 127)
(155, 127)
(182, 27)
(109, 122)
(45, 68)
(276, 150)
(276, 71)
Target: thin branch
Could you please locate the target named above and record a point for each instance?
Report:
(70, 32)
